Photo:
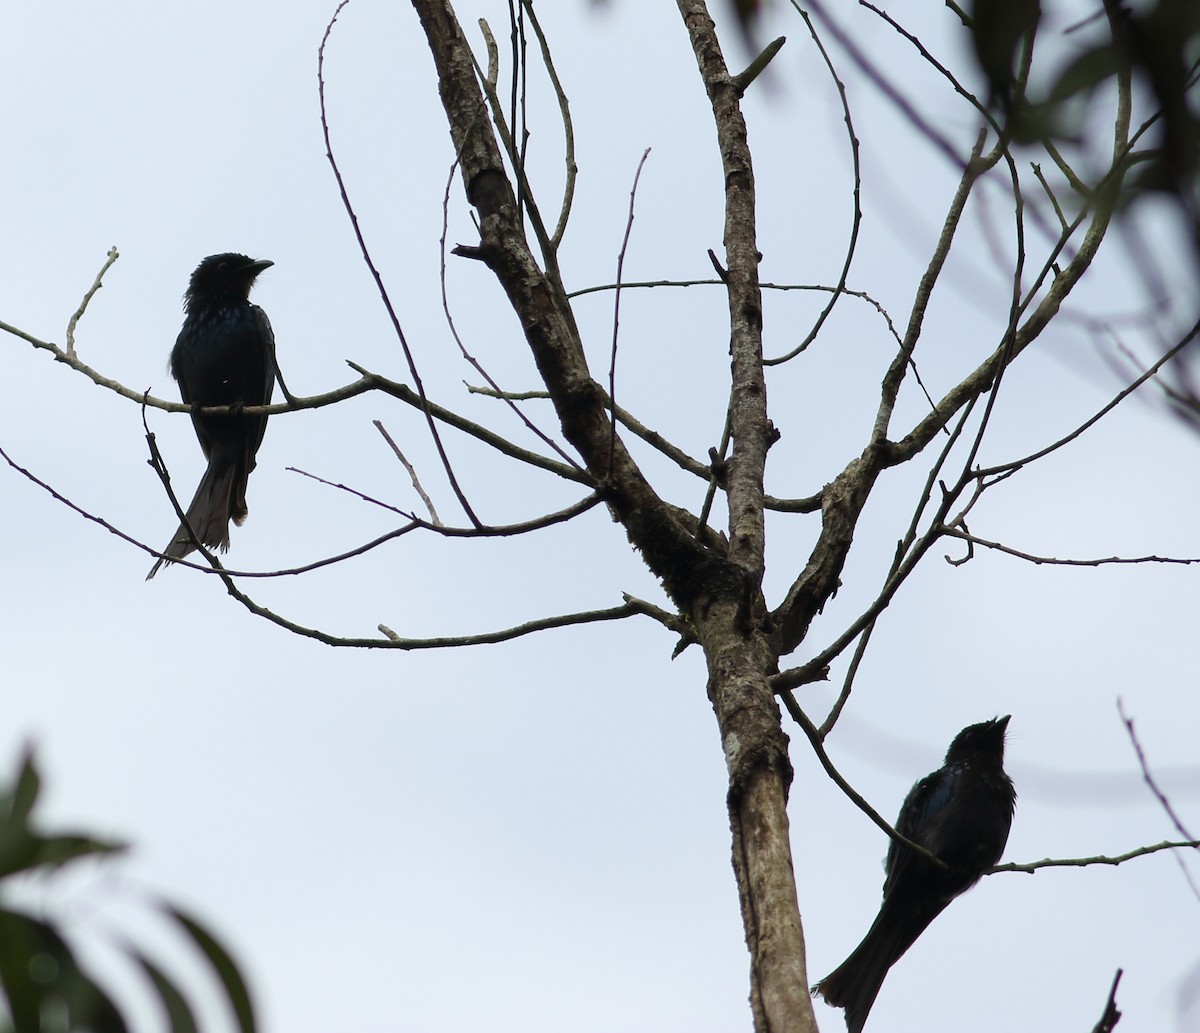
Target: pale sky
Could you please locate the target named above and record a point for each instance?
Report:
(532, 836)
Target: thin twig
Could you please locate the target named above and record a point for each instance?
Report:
(908, 555)
(848, 683)
(1149, 778)
(1111, 1015)
(355, 492)
(1171, 352)
(548, 248)
(1083, 862)
(412, 473)
(530, 425)
(97, 283)
(414, 524)
(945, 72)
(564, 109)
(475, 430)
(391, 640)
(159, 466)
(1037, 171)
(972, 539)
(902, 549)
(716, 461)
(370, 264)
(814, 738)
(59, 497)
(856, 193)
(612, 362)
(868, 68)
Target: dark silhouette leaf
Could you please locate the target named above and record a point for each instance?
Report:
(1086, 72)
(226, 969)
(40, 976)
(26, 791)
(179, 1013)
(998, 28)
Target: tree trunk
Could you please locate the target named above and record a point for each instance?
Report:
(760, 776)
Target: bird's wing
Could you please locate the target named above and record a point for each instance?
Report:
(261, 378)
(263, 385)
(276, 373)
(918, 821)
(175, 365)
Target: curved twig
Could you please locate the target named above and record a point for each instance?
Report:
(856, 220)
(97, 283)
(564, 108)
(616, 319)
(379, 284)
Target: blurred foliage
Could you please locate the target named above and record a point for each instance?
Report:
(1157, 44)
(43, 986)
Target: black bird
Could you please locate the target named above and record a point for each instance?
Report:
(961, 814)
(224, 355)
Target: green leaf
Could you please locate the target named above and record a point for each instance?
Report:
(40, 977)
(1086, 72)
(21, 851)
(59, 850)
(17, 845)
(179, 1014)
(25, 793)
(222, 963)
(998, 29)
(20, 847)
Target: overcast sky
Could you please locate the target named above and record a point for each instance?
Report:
(533, 837)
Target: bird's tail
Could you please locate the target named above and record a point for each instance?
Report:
(855, 983)
(220, 497)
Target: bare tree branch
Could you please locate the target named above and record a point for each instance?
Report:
(738, 659)
(748, 411)
(976, 167)
(541, 304)
(673, 452)
(1101, 205)
(957, 532)
(1082, 862)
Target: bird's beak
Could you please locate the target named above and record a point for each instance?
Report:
(1003, 721)
(259, 265)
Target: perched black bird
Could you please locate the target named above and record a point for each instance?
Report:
(224, 355)
(961, 814)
